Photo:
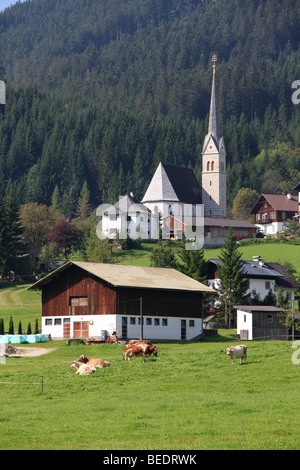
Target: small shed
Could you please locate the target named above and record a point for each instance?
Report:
(82, 300)
(261, 322)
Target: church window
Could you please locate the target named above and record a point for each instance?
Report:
(208, 166)
(212, 166)
(210, 183)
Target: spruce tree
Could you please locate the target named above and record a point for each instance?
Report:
(1, 326)
(20, 328)
(36, 330)
(233, 285)
(11, 330)
(29, 331)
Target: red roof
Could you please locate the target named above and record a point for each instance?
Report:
(279, 202)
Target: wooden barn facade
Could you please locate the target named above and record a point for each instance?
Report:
(82, 300)
(261, 322)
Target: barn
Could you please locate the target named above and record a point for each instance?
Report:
(82, 300)
(261, 322)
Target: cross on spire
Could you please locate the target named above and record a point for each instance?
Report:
(214, 60)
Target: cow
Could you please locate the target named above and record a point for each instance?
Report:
(141, 350)
(135, 342)
(83, 369)
(237, 351)
(93, 362)
(140, 341)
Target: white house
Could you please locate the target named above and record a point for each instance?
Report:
(262, 276)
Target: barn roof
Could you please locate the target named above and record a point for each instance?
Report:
(132, 276)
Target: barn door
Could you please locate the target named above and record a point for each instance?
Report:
(67, 328)
(183, 330)
(81, 329)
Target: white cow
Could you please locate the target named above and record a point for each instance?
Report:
(237, 351)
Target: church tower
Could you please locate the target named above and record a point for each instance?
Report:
(214, 161)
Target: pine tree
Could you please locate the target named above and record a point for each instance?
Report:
(36, 329)
(1, 326)
(11, 330)
(192, 263)
(233, 286)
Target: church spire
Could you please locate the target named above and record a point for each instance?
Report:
(213, 125)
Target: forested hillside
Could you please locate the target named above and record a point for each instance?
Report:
(101, 91)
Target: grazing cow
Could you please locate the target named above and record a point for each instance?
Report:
(141, 350)
(93, 362)
(237, 351)
(135, 342)
(140, 341)
(83, 369)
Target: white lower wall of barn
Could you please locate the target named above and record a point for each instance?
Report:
(126, 326)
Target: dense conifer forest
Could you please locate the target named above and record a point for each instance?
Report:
(99, 92)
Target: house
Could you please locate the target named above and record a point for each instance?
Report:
(214, 230)
(263, 277)
(260, 322)
(128, 216)
(272, 210)
(81, 300)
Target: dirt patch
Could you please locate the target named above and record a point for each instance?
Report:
(31, 352)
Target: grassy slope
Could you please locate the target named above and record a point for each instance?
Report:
(189, 397)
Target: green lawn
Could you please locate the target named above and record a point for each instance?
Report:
(189, 397)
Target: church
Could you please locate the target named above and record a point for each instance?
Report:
(181, 201)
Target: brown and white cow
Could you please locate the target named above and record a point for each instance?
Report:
(83, 369)
(144, 350)
(237, 352)
(93, 362)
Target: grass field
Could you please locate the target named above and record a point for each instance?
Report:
(189, 397)
(25, 305)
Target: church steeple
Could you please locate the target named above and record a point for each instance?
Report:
(214, 160)
(213, 124)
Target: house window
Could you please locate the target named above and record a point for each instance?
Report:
(67, 320)
(245, 318)
(270, 318)
(156, 322)
(267, 285)
(57, 321)
(148, 321)
(132, 321)
(48, 321)
(273, 215)
(257, 216)
(164, 322)
(191, 323)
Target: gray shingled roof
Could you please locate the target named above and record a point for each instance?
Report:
(254, 269)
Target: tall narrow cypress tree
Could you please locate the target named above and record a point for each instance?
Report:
(233, 285)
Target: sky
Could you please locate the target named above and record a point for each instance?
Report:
(6, 3)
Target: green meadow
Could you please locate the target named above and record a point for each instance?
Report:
(189, 397)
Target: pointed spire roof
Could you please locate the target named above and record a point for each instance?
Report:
(213, 125)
